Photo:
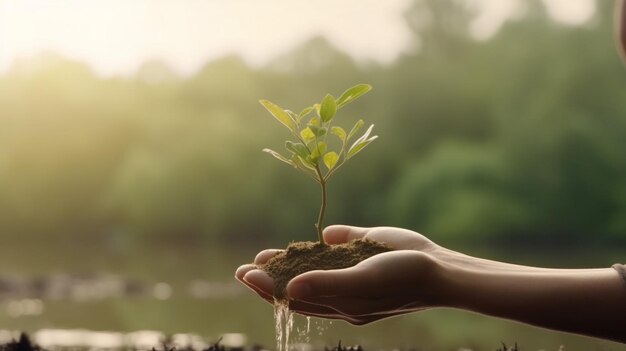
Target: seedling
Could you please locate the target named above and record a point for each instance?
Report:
(311, 151)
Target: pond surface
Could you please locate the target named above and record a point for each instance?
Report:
(112, 291)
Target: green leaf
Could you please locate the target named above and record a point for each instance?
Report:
(361, 142)
(307, 135)
(302, 163)
(338, 131)
(279, 157)
(318, 150)
(305, 112)
(359, 145)
(297, 148)
(330, 159)
(315, 121)
(278, 113)
(357, 126)
(366, 134)
(318, 131)
(352, 94)
(316, 107)
(293, 115)
(328, 108)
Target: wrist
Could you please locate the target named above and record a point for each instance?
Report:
(453, 285)
(449, 278)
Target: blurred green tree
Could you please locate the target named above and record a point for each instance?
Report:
(518, 137)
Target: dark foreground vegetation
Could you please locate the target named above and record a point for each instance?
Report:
(24, 344)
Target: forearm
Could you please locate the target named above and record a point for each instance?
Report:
(465, 261)
(587, 301)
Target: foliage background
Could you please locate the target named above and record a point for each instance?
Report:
(519, 138)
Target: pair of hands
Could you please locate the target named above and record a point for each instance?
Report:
(388, 284)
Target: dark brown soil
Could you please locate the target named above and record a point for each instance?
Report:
(300, 257)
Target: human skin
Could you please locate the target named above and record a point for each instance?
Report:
(419, 274)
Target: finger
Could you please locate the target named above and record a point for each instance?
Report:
(263, 285)
(339, 234)
(242, 270)
(313, 309)
(264, 256)
(342, 282)
(399, 239)
(366, 280)
(260, 280)
(301, 307)
(262, 293)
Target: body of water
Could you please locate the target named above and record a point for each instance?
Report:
(115, 295)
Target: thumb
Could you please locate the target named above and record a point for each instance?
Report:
(337, 282)
(339, 234)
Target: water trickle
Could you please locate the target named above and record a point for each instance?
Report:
(308, 325)
(284, 325)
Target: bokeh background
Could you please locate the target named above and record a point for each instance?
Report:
(132, 181)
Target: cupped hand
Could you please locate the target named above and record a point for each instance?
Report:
(391, 283)
(263, 285)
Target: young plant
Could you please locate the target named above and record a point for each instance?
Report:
(311, 151)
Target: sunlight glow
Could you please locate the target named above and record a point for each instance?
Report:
(491, 16)
(116, 36)
(571, 12)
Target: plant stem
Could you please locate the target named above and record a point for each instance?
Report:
(320, 219)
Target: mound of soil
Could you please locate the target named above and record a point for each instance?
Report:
(304, 256)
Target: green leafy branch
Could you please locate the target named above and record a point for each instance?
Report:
(309, 151)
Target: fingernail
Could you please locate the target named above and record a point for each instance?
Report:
(299, 290)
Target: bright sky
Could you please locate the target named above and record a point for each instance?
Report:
(116, 36)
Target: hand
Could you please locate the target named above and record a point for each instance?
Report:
(387, 284)
(418, 274)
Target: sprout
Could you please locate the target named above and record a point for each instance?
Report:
(310, 150)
